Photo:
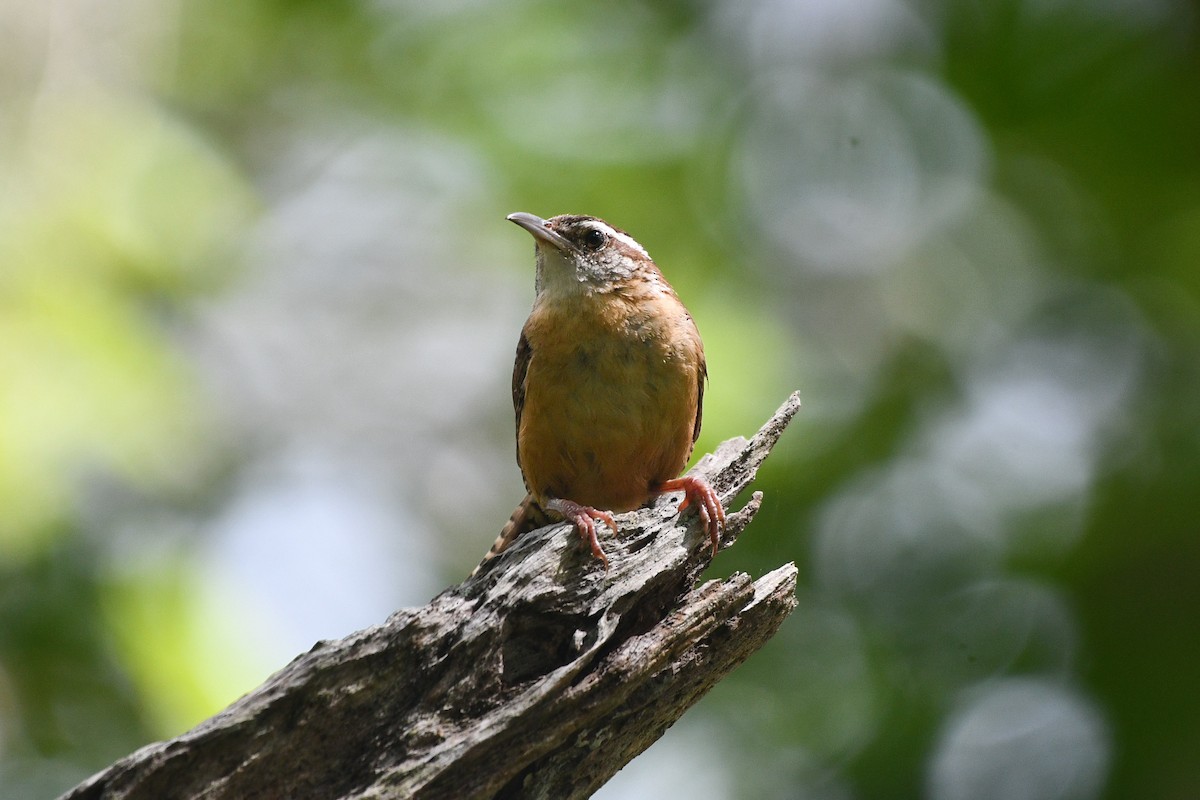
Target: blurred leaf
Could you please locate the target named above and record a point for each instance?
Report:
(116, 210)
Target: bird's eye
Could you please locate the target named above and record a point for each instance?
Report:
(594, 239)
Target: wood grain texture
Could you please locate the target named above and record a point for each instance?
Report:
(539, 677)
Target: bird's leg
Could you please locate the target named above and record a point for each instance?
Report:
(582, 517)
(696, 490)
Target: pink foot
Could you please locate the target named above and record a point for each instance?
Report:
(582, 517)
(696, 490)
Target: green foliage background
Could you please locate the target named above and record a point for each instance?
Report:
(253, 253)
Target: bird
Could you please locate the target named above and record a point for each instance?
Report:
(607, 385)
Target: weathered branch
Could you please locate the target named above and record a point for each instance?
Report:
(539, 677)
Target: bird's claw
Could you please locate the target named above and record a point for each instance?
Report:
(697, 490)
(584, 519)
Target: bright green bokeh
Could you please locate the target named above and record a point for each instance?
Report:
(911, 213)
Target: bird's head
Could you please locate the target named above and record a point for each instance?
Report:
(579, 255)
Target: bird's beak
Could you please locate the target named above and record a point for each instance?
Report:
(541, 230)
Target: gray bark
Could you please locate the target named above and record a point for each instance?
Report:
(539, 677)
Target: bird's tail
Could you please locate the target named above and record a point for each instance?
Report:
(527, 517)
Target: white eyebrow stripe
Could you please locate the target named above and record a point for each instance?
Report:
(621, 237)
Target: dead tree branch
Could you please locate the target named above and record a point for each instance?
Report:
(540, 677)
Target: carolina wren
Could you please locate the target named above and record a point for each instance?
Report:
(608, 385)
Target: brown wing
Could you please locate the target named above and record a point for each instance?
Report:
(701, 375)
(520, 367)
